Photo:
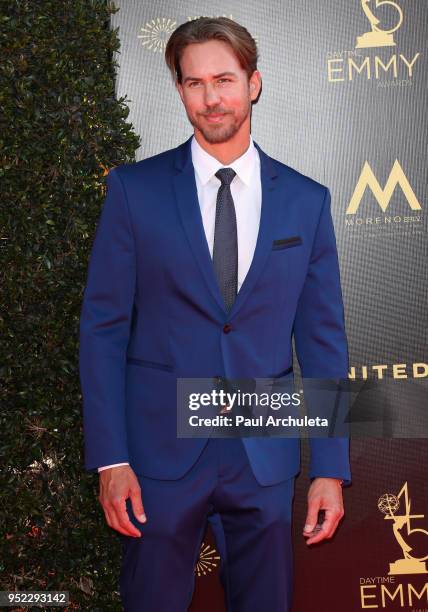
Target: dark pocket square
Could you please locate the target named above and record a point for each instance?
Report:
(284, 243)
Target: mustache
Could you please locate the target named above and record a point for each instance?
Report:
(215, 112)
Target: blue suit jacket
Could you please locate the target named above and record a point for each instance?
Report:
(152, 311)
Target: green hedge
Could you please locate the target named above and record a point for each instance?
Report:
(61, 125)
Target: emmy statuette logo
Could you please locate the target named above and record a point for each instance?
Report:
(389, 505)
(405, 585)
(396, 70)
(378, 37)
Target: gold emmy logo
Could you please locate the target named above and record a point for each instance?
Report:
(383, 196)
(397, 70)
(377, 37)
(389, 505)
(207, 560)
(156, 32)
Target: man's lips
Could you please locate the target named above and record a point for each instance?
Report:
(214, 117)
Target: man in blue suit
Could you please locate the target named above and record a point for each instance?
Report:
(208, 258)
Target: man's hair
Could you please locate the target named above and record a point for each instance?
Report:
(206, 28)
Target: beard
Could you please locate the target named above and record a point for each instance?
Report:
(216, 133)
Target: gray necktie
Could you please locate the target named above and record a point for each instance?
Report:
(225, 251)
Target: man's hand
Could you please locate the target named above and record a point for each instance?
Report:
(324, 494)
(116, 485)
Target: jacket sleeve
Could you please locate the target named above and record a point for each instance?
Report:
(321, 344)
(105, 328)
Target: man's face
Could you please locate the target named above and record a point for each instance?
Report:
(215, 90)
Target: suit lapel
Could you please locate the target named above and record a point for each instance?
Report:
(188, 205)
(189, 209)
(267, 226)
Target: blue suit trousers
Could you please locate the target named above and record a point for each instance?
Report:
(158, 569)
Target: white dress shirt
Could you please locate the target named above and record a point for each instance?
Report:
(247, 196)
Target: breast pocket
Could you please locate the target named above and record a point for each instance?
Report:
(286, 243)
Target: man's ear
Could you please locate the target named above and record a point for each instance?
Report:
(255, 85)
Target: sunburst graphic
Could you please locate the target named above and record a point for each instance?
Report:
(207, 560)
(154, 35)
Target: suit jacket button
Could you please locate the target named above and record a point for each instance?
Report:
(227, 328)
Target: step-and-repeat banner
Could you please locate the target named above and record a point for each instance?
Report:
(344, 101)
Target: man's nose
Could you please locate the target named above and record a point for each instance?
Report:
(211, 95)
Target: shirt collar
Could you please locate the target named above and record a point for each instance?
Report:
(206, 165)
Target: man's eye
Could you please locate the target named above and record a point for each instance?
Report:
(224, 80)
